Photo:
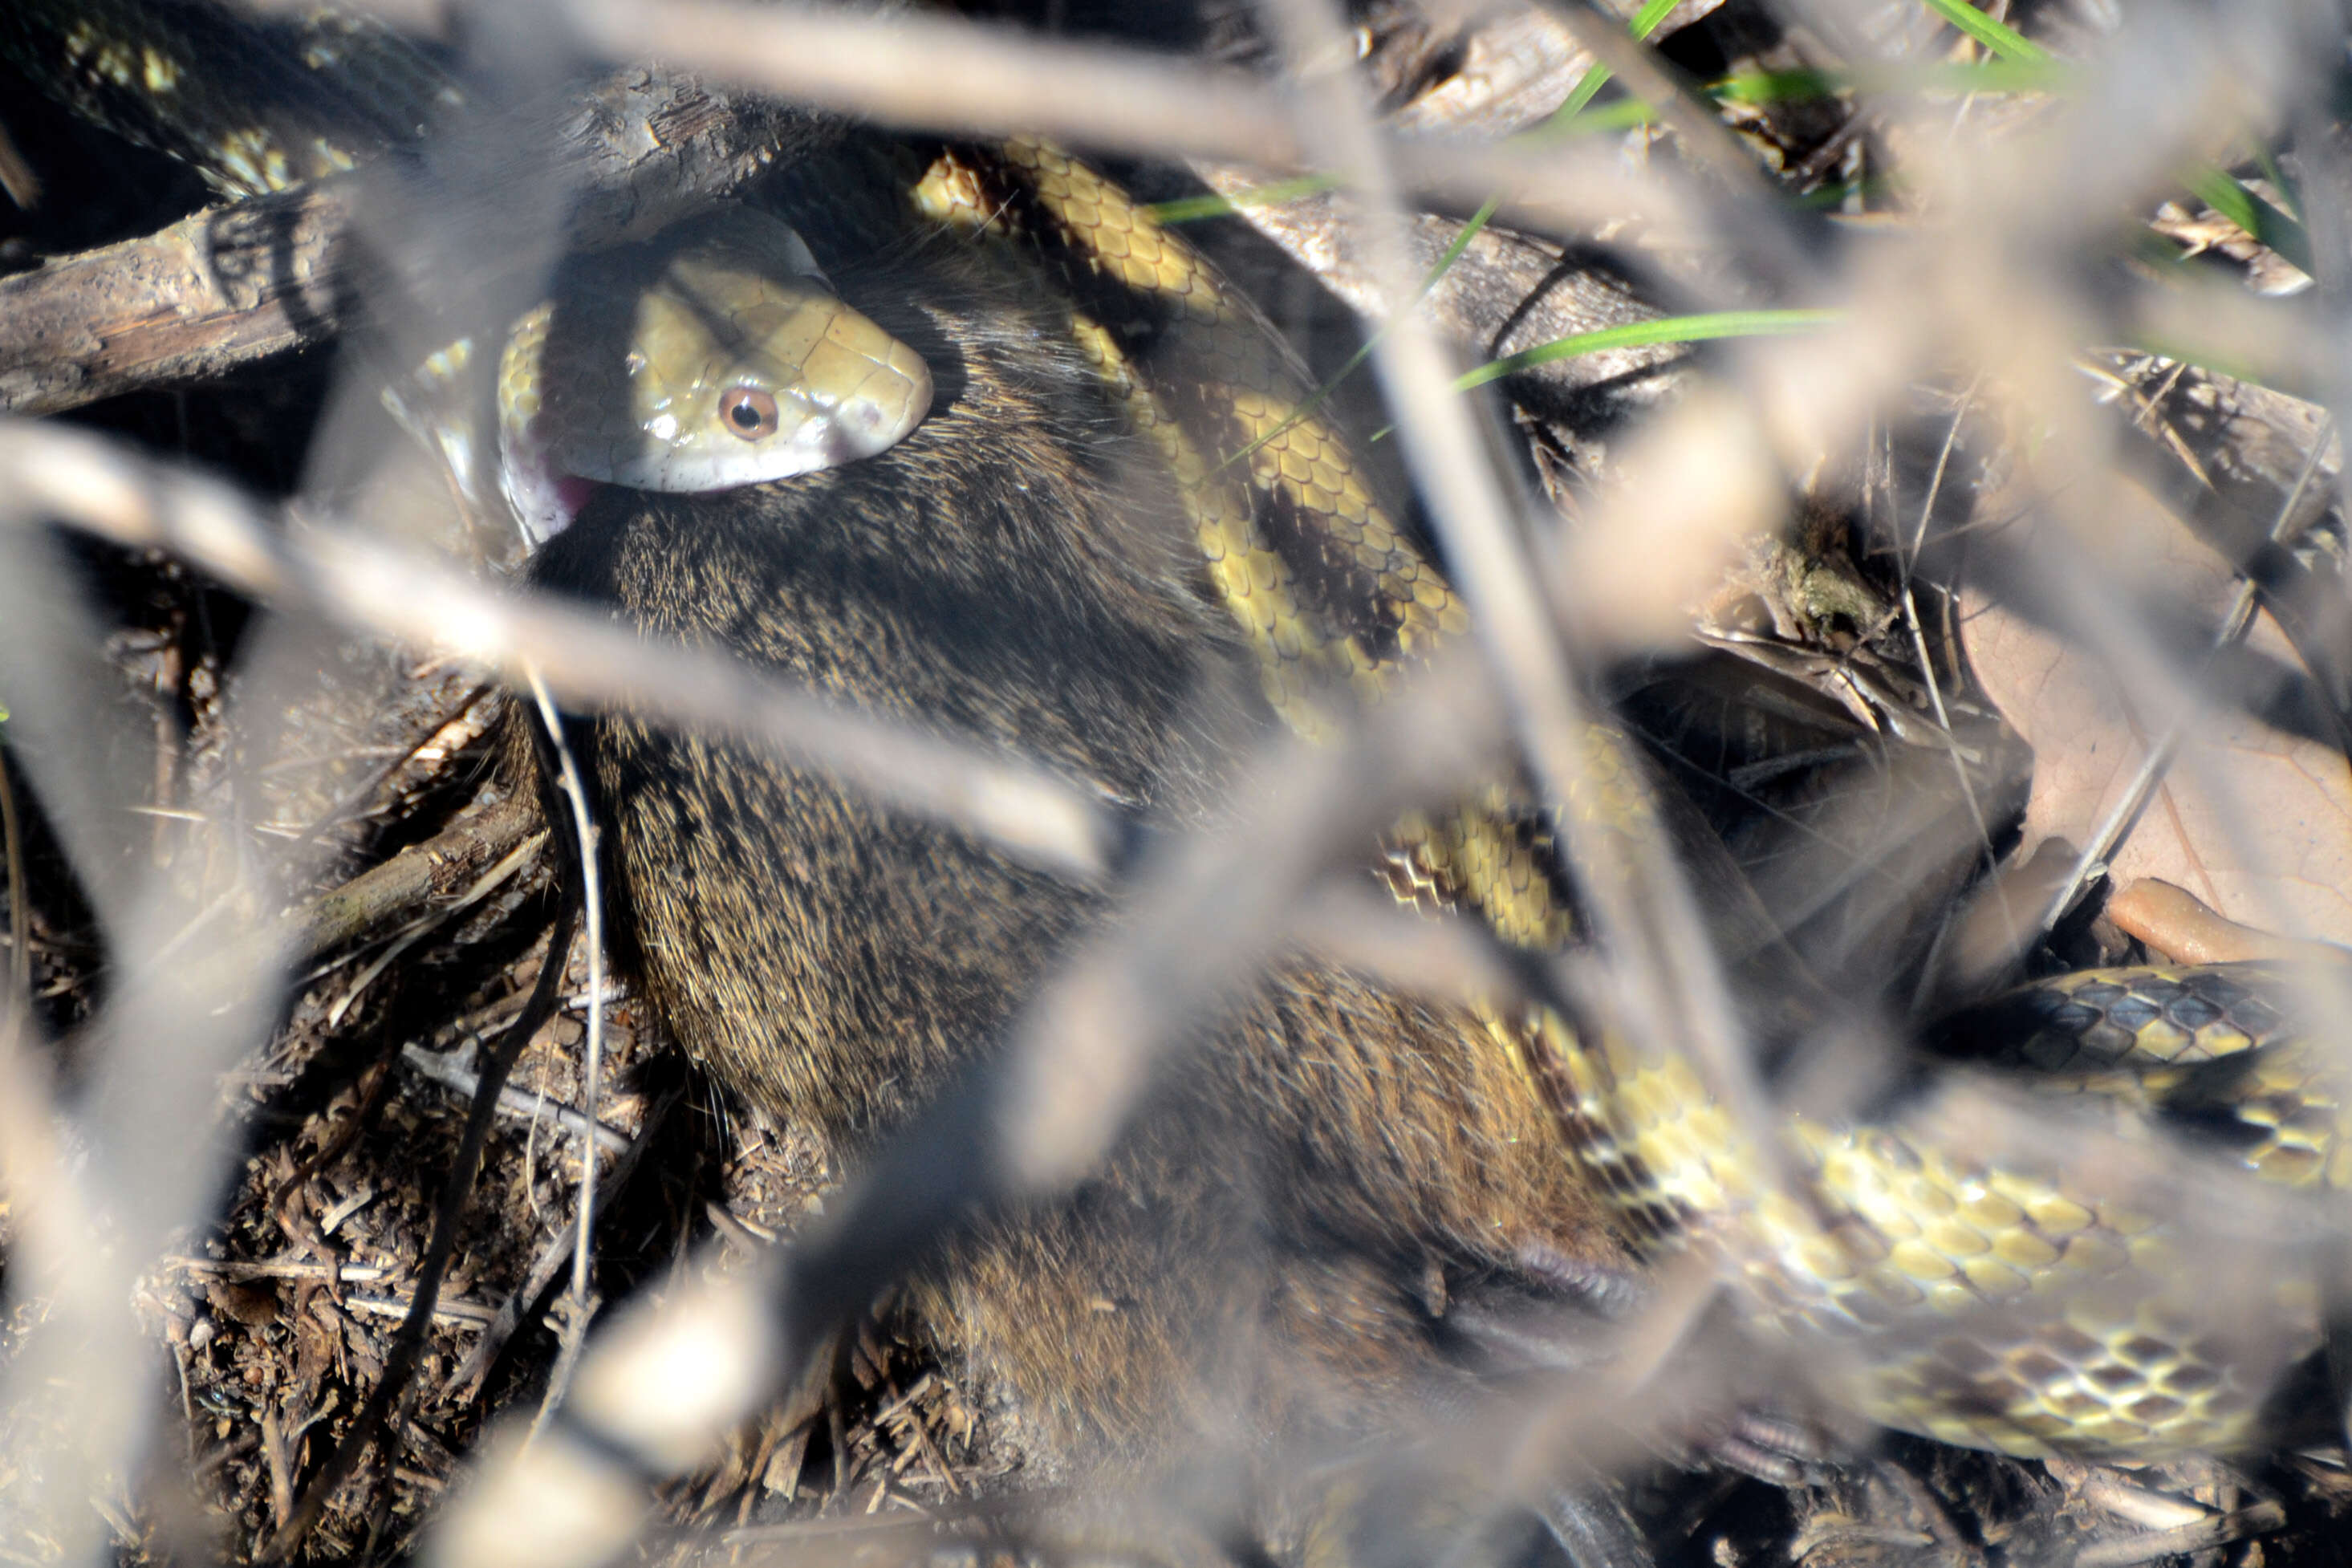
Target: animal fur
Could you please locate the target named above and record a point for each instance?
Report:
(1282, 1244)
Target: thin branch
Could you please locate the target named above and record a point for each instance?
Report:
(409, 1344)
(234, 285)
(97, 485)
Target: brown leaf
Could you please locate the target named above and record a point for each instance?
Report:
(2272, 846)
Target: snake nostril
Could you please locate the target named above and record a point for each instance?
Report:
(748, 412)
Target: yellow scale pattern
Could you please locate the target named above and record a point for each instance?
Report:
(1214, 342)
(1994, 1308)
(2001, 1307)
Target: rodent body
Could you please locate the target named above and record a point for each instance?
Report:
(1278, 1238)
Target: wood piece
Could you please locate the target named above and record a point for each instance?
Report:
(440, 868)
(233, 286)
(221, 288)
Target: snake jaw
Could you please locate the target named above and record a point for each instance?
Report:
(545, 499)
(880, 390)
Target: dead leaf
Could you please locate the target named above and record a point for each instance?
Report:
(2272, 847)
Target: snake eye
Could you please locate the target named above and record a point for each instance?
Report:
(748, 411)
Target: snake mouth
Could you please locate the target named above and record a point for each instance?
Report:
(715, 356)
(545, 499)
(810, 433)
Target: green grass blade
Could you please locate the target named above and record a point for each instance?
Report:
(1695, 329)
(1985, 76)
(2248, 211)
(1643, 24)
(1192, 209)
(1999, 37)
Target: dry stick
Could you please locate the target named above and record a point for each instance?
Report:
(434, 918)
(1031, 813)
(421, 873)
(410, 1343)
(2125, 813)
(223, 289)
(521, 1107)
(19, 997)
(592, 898)
(495, 1334)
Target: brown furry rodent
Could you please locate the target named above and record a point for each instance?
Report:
(1274, 1248)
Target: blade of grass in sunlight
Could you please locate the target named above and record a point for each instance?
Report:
(1982, 77)
(1643, 24)
(1701, 328)
(2250, 211)
(1192, 209)
(1999, 37)
(2219, 191)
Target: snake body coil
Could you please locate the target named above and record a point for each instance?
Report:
(2018, 1307)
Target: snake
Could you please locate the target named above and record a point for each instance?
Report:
(2025, 1304)
(714, 354)
(2018, 1306)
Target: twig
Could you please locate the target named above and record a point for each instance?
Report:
(472, 1314)
(18, 999)
(588, 662)
(592, 898)
(435, 917)
(522, 1107)
(419, 875)
(371, 1421)
(494, 1335)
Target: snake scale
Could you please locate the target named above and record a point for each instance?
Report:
(1995, 1307)
(2015, 1305)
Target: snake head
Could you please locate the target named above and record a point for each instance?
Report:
(712, 356)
